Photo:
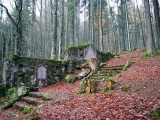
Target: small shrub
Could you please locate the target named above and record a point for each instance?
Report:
(26, 110)
(148, 55)
(156, 113)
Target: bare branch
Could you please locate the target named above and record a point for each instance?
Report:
(8, 14)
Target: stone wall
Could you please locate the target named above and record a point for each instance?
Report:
(24, 71)
(76, 55)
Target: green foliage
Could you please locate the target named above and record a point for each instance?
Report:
(105, 55)
(46, 97)
(127, 65)
(69, 78)
(156, 113)
(26, 110)
(126, 88)
(93, 84)
(80, 46)
(147, 55)
(11, 92)
(103, 90)
(83, 88)
(2, 90)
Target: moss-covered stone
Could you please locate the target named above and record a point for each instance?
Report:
(69, 78)
(24, 70)
(76, 55)
(11, 92)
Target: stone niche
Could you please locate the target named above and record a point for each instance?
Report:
(41, 75)
(25, 71)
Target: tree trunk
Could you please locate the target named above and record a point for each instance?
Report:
(150, 41)
(157, 19)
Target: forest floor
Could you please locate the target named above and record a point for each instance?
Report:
(139, 101)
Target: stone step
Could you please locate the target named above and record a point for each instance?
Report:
(111, 68)
(21, 106)
(99, 77)
(32, 101)
(106, 71)
(35, 94)
(13, 111)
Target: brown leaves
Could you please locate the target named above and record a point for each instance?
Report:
(101, 106)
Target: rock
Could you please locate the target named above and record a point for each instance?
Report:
(69, 78)
(82, 74)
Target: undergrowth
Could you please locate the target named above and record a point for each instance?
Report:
(149, 55)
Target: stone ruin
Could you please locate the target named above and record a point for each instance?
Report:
(24, 71)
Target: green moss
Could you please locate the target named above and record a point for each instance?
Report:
(147, 55)
(80, 46)
(69, 78)
(104, 89)
(105, 55)
(2, 90)
(11, 102)
(11, 92)
(83, 88)
(26, 110)
(46, 97)
(156, 113)
(127, 65)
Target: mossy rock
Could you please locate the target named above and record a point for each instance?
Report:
(11, 92)
(69, 78)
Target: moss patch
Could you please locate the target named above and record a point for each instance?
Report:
(11, 92)
(147, 55)
(26, 110)
(46, 97)
(69, 78)
(127, 65)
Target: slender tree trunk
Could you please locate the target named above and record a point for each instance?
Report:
(157, 19)
(141, 26)
(150, 41)
(62, 31)
(100, 28)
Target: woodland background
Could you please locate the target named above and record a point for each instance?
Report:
(45, 28)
